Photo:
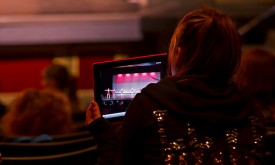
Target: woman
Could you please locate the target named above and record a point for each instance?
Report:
(35, 112)
(57, 78)
(206, 119)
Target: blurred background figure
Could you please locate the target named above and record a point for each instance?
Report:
(2, 109)
(36, 112)
(57, 78)
(256, 76)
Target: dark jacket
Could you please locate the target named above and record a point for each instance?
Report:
(210, 109)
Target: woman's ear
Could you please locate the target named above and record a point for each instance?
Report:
(178, 56)
(176, 63)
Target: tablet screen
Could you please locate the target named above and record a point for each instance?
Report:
(117, 82)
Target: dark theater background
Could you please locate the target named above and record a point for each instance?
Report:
(35, 33)
(77, 33)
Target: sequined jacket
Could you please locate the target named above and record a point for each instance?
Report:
(204, 124)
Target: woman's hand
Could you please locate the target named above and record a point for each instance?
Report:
(92, 113)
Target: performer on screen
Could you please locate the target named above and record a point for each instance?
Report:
(121, 91)
(108, 93)
(132, 91)
(113, 93)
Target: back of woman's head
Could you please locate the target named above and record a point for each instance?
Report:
(36, 112)
(59, 74)
(210, 45)
(256, 74)
(56, 77)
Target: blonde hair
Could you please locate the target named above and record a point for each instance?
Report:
(36, 112)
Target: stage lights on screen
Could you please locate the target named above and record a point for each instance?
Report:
(135, 76)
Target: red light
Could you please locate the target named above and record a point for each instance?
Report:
(144, 74)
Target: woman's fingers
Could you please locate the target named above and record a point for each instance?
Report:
(96, 110)
(92, 112)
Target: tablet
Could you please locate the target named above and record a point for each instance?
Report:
(117, 82)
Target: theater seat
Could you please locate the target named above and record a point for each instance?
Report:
(75, 151)
(86, 156)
